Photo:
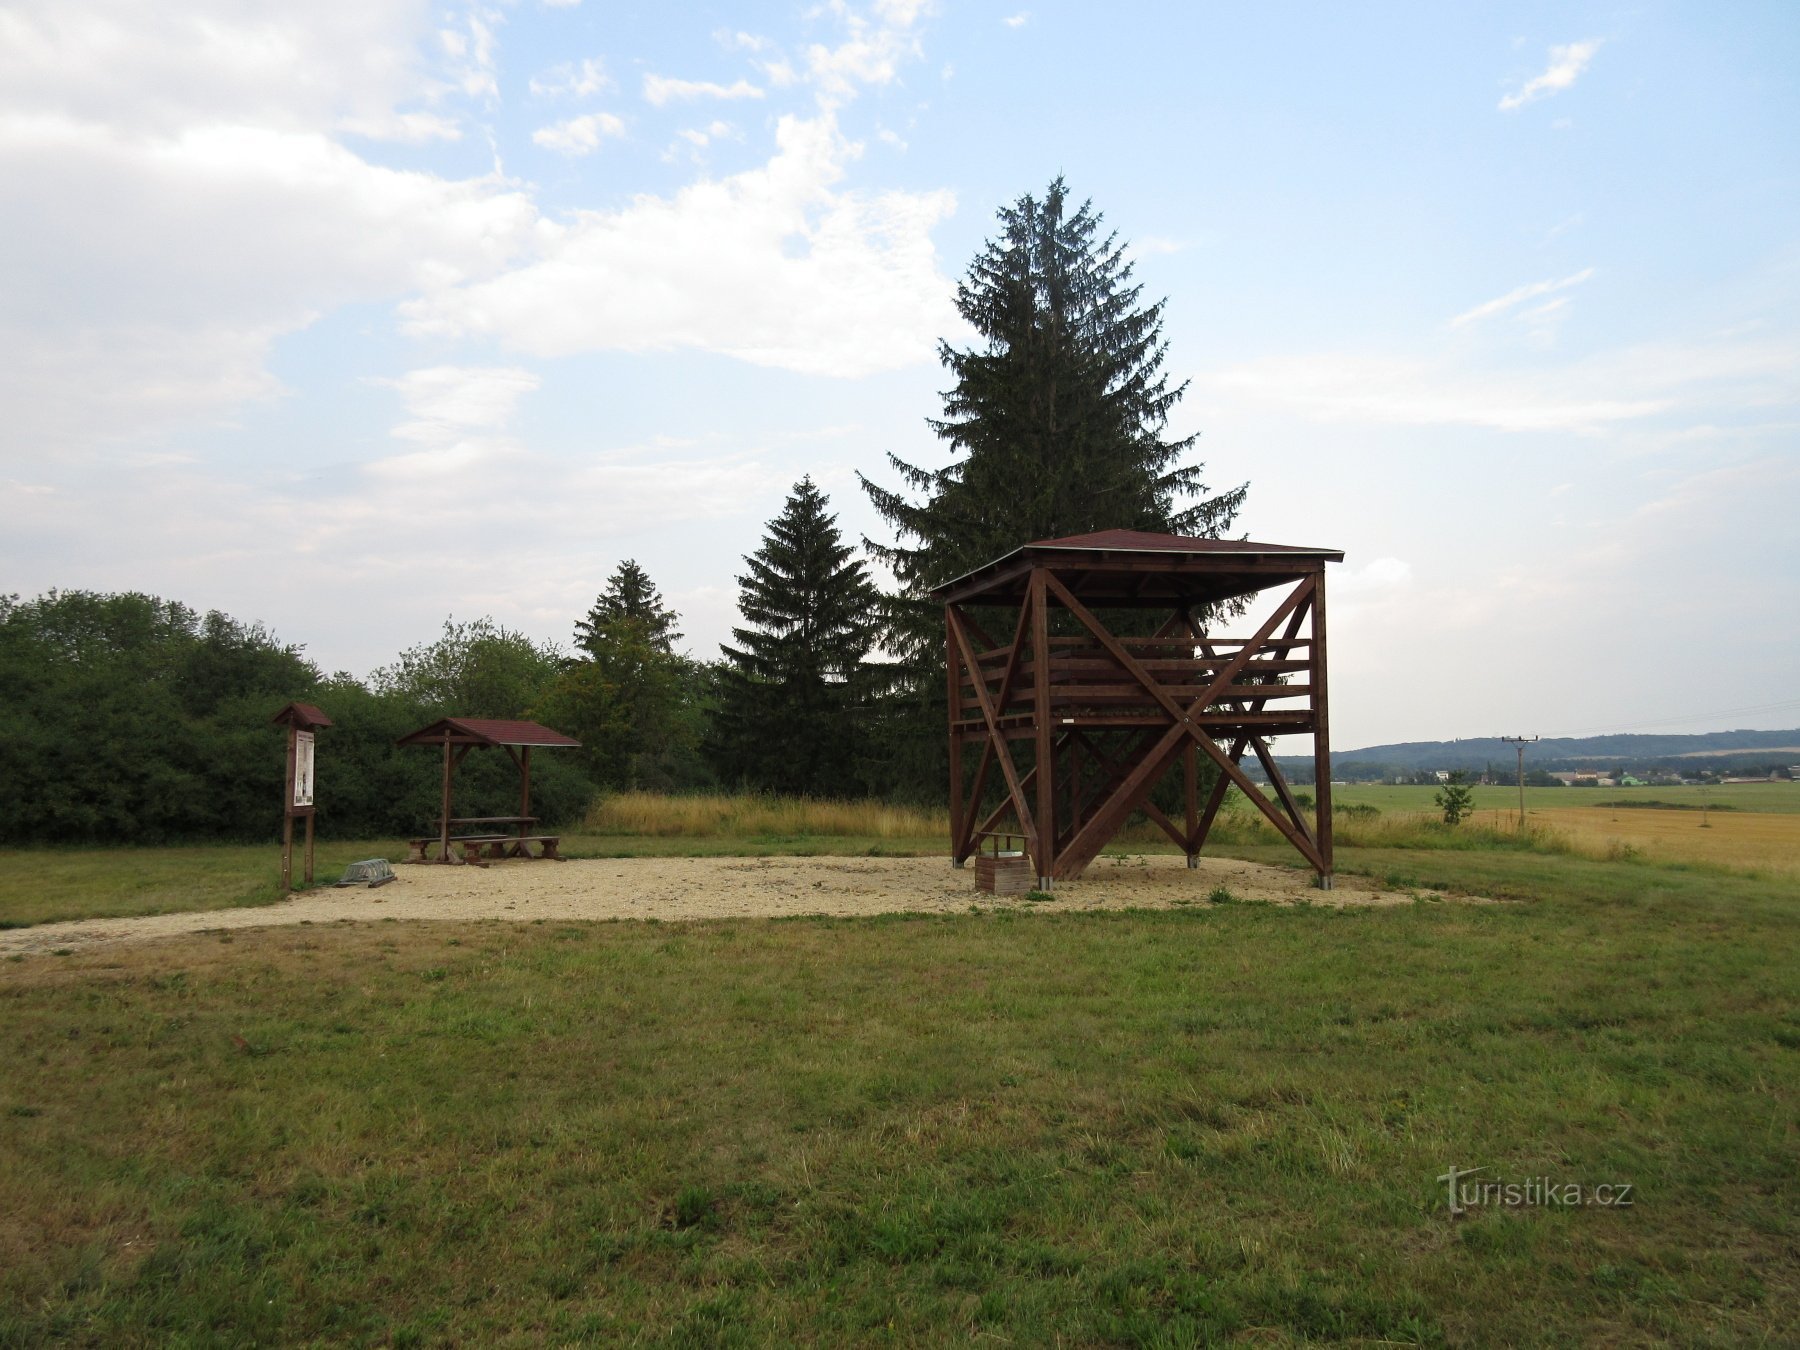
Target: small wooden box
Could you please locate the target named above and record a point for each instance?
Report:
(1003, 874)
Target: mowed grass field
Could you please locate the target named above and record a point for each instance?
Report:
(1225, 1122)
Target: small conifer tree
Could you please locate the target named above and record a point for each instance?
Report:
(1456, 798)
(630, 596)
(792, 690)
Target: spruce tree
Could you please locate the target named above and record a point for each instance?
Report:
(625, 695)
(631, 596)
(789, 695)
(1056, 421)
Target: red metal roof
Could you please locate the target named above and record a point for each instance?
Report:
(1126, 542)
(1141, 541)
(487, 731)
(302, 715)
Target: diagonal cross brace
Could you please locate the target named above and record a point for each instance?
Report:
(995, 738)
(1127, 796)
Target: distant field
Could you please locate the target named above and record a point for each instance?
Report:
(1776, 797)
(1751, 840)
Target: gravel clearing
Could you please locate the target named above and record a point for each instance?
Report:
(677, 889)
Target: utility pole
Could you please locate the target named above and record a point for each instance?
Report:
(1521, 742)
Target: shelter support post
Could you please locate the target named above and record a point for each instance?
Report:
(444, 814)
(287, 815)
(953, 667)
(1190, 784)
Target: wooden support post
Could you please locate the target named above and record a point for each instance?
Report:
(1321, 734)
(524, 789)
(1046, 751)
(309, 848)
(953, 664)
(287, 814)
(1190, 781)
(444, 820)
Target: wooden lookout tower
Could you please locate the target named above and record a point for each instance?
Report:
(1102, 719)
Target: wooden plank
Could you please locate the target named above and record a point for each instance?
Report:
(1125, 659)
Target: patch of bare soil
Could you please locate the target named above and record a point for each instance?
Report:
(675, 889)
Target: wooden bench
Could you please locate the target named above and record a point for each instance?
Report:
(473, 846)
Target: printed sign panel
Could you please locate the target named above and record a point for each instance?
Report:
(303, 768)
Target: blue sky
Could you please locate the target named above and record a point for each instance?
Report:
(354, 315)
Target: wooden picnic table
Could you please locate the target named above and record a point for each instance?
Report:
(456, 822)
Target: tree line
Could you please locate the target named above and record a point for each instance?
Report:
(129, 718)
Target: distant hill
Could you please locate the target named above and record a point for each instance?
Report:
(1687, 753)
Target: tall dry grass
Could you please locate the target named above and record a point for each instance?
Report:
(747, 815)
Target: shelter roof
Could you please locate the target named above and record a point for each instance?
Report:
(486, 731)
(1136, 567)
(302, 715)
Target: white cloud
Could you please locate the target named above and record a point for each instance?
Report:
(410, 128)
(1018, 20)
(1607, 392)
(1347, 388)
(579, 135)
(870, 54)
(776, 266)
(1489, 308)
(571, 80)
(446, 401)
(661, 89)
(1566, 64)
(174, 198)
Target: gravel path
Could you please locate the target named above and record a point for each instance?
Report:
(712, 888)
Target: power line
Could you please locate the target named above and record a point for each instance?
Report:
(1521, 742)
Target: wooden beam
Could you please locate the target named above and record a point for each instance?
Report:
(1190, 794)
(1321, 733)
(998, 741)
(1045, 856)
(965, 836)
(1127, 796)
(1262, 803)
(444, 820)
(953, 676)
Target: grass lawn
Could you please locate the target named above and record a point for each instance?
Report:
(1142, 1129)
